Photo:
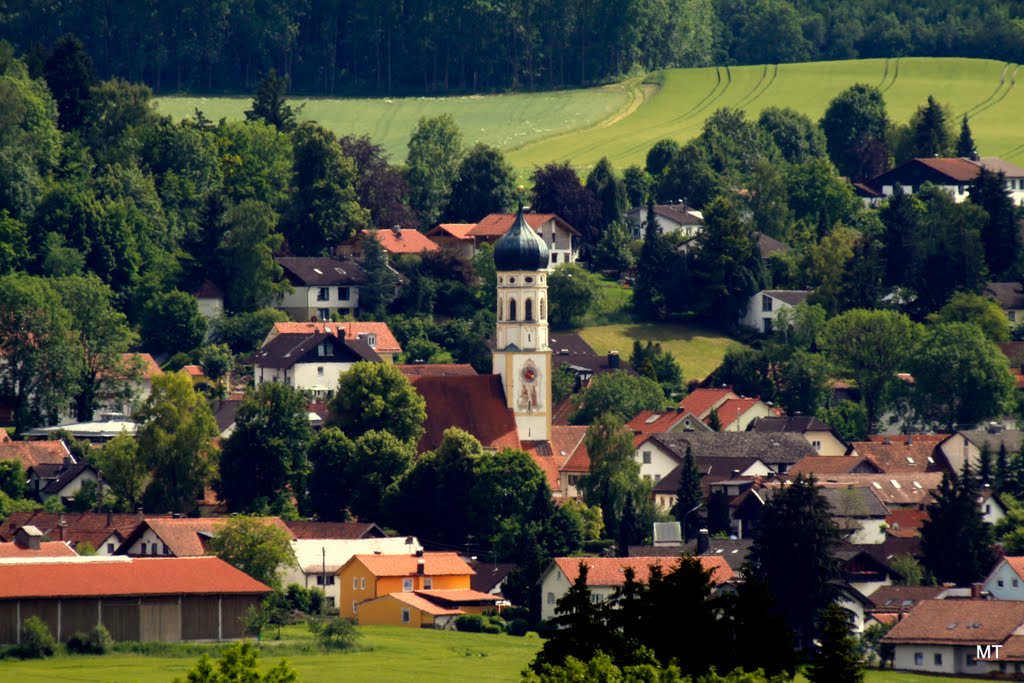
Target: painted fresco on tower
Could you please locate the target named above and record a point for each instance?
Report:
(530, 394)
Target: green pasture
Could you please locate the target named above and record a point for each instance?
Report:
(388, 654)
(697, 349)
(622, 121)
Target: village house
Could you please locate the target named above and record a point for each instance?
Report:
(378, 336)
(321, 287)
(943, 637)
(605, 575)
(669, 219)
(134, 385)
(762, 311)
(396, 241)
(139, 600)
(455, 237)
(210, 299)
(822, 438)
(560, 238)
(659, 454)
(1006, 581)
(28, 542)
(63, 481)
(317, 560)
(179, 537)
(966, 445)
(419, 590)
(702, 401)
(1010, 297)
(952, 174)
(906, 453)
(104, 532)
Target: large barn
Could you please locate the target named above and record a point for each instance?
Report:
(168, 599)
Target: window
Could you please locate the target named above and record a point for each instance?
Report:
(551, 598)
(528, 312)
(937, 659)
(355, 607)
(766, 303)
(154, 549)
(554, 257)
(407, 585)
(988, 508)
(167, 551)
(406, 618)
(501, 308)
(344, 294)
(323, 313)
(1016, 583)
(371, 340)
(647, 457)
(657, 477)
(574, 479)
(320, 372)
(512, 309)
(428, 583)
(355, 583)
(362, 583)
(1000, 582)
(326, 580)
(323, 294)
(1012, 315)
(816, 445)
(595, 598)
(918, 659)
(767, 324)
(110, 548)
(647, 477)
(144, 548)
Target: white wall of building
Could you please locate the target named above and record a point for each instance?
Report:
(304, 302)
(1004, 583)
(760, 308)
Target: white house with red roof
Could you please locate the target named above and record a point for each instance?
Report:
(396, 241)
(560, 237)
(952, 174)
(663, 422)
(605, 575)
(1006, 582)
(454, 237)
(701, 402)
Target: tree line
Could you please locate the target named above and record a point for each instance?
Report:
(393, 47)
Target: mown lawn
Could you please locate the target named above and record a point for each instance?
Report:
(388, 654)
(698, 350)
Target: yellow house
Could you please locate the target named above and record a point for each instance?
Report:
(407, 609)
(365, 577)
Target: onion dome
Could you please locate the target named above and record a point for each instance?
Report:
(521, 248)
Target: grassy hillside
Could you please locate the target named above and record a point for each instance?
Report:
(622, 121)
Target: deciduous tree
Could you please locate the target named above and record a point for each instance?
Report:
(483, 185)
(251, 278)
(854, 116)
(254, 545)
(618, 393)
(432, 165)
(377, 396)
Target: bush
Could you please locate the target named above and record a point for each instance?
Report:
(298, 598)
(36, 640)
(513, 613)
(545, 629)
(78, 643)
(518, 627)
(334, 633)
(492, 628)
(97, 642)
(317, 601)
(470, 623)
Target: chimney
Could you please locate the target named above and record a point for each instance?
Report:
(886, 441)
(421, 566)
(419, 553)
(110, 517)
(975, 591)
(703, 541)
(613, 360)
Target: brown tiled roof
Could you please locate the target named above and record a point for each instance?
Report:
(386, 342)
(421, 603)
(701, 401)
(678, 213)
(906, 523)
(497, 224)
(46, 549)
(1014, 352)
(186, 537)
(285, 350)
(457, 596)
(434, 564)
(32, 453)
(832, 464)
(896, 598)
(488, 575)
(997, 165)
(475, 404)
(771, 449)
(208, 290)
(793, 297)
(904, 453)
(68, 475)
(436, 369)
(193, 370)
(733, 409)
(136, 576)
(563, 411)
(1013, 439)
(1009, 295)
(768, 245)
(610, 571)
(144, 362)
(344, 531)
(798, 424)
(403, 241)
(460, 231)
(958, 622)
(321, 271)
(956, 168)
(555, 455)
(571, 344)
(905, 489)
(90, 527)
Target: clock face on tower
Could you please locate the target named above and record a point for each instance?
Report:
(530, 394)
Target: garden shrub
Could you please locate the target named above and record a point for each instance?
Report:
(36, 640)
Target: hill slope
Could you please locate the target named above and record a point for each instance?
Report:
(624, 120)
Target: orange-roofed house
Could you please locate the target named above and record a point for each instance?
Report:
(202, 598)
(396, 241)
(1006, 582)
(28, 542)
(454, 237)
(560, 237)
(663, 422)
(182, 537)
(607, 574)
(442, 579)
(377, 336)
(701, 402)
(736, 414)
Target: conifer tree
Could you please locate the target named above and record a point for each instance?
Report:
(714, 421)
(931, 130)
(1000, 234)
(689, 495)
(957, 542)
(582, 627)
(1002, 472)
(965, 143)
(379, 290)
(985, 474)
(648, 297)
(839, 659)
(269, 104)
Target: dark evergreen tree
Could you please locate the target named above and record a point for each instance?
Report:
(793, 553)
(688, 496)
(957, 542)
(965, 146)
(718, 513)
(839, 658)
(902, 216)
(931, 131)
(761, 638)
(690, 631)
(381, 280)
(1002, 468)
(69, 75)
(714, 421)
(649, 299)
(610, 192)
(269, 104)
(483, 186)
(582, 627)
(557, 189)
(986, 477)
(1001, 232)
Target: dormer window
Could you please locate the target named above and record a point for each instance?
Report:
(371, 340)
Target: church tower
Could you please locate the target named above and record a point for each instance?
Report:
(521, 355)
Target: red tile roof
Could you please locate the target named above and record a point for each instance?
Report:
(475, 404)
(906, 523)
(436, 369)
(186, 537)
(123, 577)
(459, 231)
(194, 371)
(147, 367)
(404, 241)
(552, 457)
(701, 401)
(563, 411)
(655, 422)
(435, 564)
(386, 342)
(497, 224)
(1016, 564)
(32, 453)
(904, 453)
(91, 527)
(957, 169)
(421, 603)
(610, 571)
(959, 622)
(344, 531)
(208, 290)
(46, 549)
(734, 408)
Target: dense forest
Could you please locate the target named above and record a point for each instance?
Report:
(389, 46)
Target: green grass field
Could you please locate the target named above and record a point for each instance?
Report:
(698, 350)
(622, 121)
(393, 654)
